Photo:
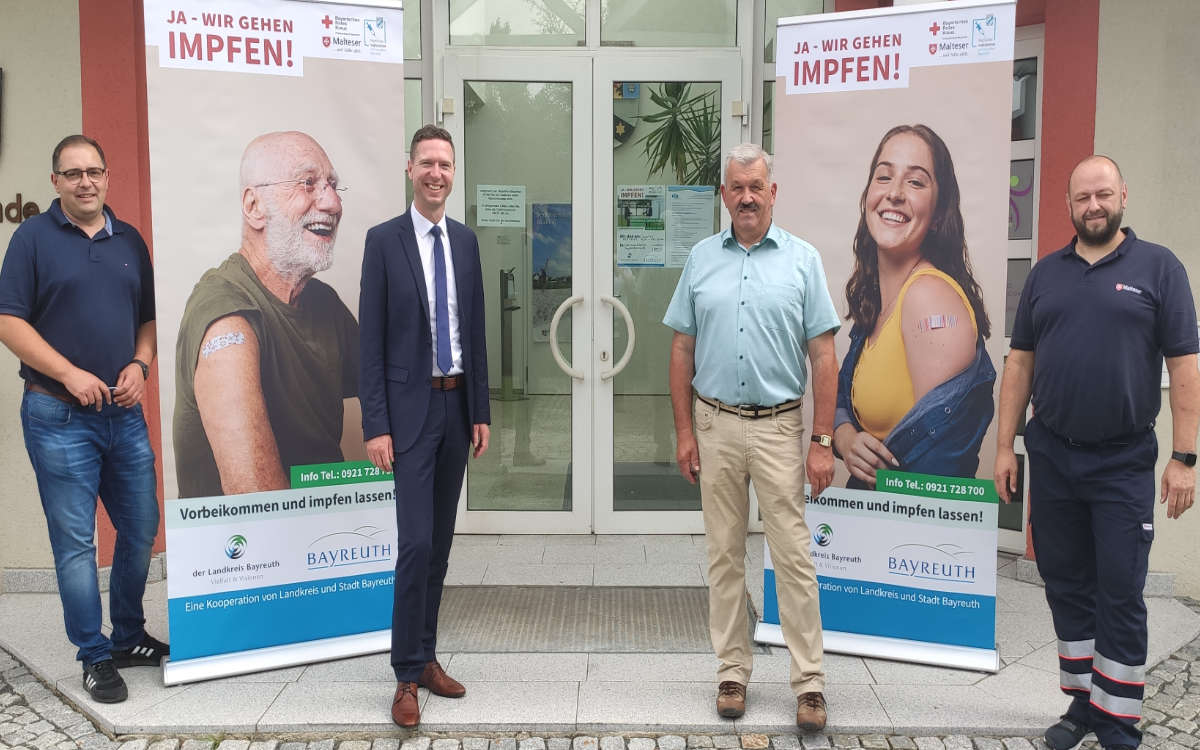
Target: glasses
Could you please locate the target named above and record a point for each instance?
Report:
(73, 176)
(309, 185)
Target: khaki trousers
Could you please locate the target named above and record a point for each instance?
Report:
(770, 452)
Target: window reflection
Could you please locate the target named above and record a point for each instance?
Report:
(777, 9)
(1025, 99)
(668, 23)
(517, 23)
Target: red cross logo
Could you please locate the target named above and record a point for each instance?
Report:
(934, 29)
(327, 22)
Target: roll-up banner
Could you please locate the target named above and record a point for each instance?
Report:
(276, 140)
(892, 147)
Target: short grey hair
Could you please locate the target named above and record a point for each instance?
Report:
(747, 154)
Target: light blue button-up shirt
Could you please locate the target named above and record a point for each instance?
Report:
(752, 313)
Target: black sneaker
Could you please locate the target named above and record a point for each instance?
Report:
(148, 653)
(104, 683)
(1066, 734)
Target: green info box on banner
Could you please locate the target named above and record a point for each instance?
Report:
(345, 472)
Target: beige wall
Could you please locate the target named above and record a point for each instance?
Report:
(1147, 109)
(39, 52)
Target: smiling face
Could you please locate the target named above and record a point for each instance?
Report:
(1096, 198)
(748, 194)
(901, 198)
(300, 206)
(83, 201)
(431, 169)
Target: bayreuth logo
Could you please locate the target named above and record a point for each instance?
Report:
(235, 546)
(358, 546)
(942, 562)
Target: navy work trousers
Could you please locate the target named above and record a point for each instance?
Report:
(1092, 515)
(429, 477)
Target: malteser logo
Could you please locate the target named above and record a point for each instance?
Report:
(1127, 288)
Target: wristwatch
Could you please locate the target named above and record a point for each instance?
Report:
(1187, 459)
(145, 368)
(827, 440)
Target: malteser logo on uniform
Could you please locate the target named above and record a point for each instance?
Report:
(1127, 288)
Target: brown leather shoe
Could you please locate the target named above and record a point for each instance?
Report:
(406, 710)
(731, 699)
(810, 712)
(435, 680)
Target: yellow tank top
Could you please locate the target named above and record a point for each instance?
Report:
(882, 390)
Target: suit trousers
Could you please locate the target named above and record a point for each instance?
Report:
(770, 452)
(1091, 513)
(429, 477)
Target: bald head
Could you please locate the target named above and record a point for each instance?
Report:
(285, 155)
(290, 204)
(1097, 163)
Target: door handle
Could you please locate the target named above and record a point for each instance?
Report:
(558, 357)
(620, 365)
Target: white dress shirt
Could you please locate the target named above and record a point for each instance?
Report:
(422, 227)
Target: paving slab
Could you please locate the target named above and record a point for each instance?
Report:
(564, 574)
(498, 707)
(852, 708)
(648, 574)
(966, 708)
(521, 667)
(650, 706)
(201, 707)
(370, 668)
(316, 706)
(652, 667)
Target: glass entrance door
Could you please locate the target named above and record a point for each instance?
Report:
(523, 136)
(656, 195)
(583, 229)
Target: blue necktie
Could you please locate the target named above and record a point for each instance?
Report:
(441, 306)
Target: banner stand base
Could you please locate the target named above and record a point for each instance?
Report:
(274, 657)
(896, 649)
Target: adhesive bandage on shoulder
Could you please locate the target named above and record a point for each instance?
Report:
(219, 342)
(934, 322)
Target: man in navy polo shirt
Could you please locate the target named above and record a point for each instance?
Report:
(77, 307)
(1093, 325)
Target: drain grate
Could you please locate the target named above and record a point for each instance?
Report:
(599, 619)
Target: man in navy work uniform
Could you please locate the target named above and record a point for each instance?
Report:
(77, 308)
(751, 304)
(1094, 323)
(424, 393)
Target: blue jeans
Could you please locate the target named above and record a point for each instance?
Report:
(77, 454)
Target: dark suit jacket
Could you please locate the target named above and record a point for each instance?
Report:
(396, 344)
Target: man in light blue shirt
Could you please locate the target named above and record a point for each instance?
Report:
(751, 304)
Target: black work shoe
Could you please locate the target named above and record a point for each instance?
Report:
(104, 683)
(1119, 747)
(148, 653)
(1066, 734)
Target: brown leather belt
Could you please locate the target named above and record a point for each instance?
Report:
(447, 383)
(752, 411)
(35, 388)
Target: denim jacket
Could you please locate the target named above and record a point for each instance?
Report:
(942, 433)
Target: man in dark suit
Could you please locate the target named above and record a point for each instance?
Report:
(424, 393)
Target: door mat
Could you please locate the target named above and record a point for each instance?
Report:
(598, 619)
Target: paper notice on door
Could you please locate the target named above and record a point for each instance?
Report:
(640, 229)
(500, 205)
(690, 218)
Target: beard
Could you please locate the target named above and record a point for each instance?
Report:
(1099, 236)
(294, 252)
